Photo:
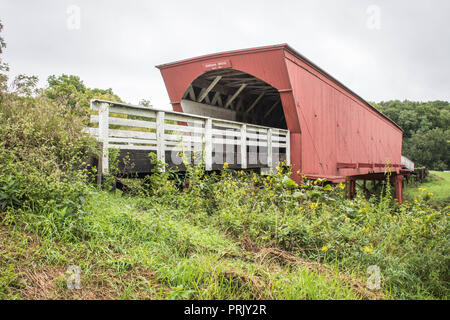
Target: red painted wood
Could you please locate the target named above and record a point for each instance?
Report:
(398, 180)
(329, 123)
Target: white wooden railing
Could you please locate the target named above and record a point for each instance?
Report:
(408, 164)
(141, 128)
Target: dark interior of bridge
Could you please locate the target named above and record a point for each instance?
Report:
(253, 100)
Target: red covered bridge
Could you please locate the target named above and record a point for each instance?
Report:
(334, 133)
(261, 105)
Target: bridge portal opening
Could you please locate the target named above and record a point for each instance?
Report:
(234, 95)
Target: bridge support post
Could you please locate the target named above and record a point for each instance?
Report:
(398, 181)
(350, 188)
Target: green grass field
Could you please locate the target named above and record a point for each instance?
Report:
(436, 187)
(231, 236)
(132, 253)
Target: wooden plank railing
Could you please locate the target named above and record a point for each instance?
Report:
(132, 127)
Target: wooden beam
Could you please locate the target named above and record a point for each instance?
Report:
(229, 82)
(217, 99)
(239, 104)
(223, 73)
(231, 99)
(191, 92)
(209, 88)
(207, 100)
(346, 165)
(225, 90)
(202, 83)
(271, 109)
(255, 102)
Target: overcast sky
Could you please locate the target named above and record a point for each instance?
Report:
(380, 49)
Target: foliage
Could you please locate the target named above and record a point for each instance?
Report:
(146, 103)
(70, 91)
(426, 130)
(430, 148)
(42, 153)
(3, 67)
(435, 189)
(159, 182)
(408, 242)
(43, 148)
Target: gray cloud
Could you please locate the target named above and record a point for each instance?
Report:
(119, 42)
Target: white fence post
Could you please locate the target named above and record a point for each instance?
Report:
(208, 144)
(269, 148)
(244, 146)
(160, 151)
(103, 133)
(288, 148)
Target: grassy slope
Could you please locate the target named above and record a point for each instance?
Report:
(438, 183)
(159, 254)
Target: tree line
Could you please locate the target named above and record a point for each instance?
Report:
(426, 125)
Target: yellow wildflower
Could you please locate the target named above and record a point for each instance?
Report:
(325, 248)
(341, 185)
(314, 205)
(367, 249)
(225, 165)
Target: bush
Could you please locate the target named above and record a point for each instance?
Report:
(43, 155)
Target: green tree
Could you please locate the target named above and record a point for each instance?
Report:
(145, 103)
(71, 91)
(3, 67)
(426, 129)
(430, 148)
